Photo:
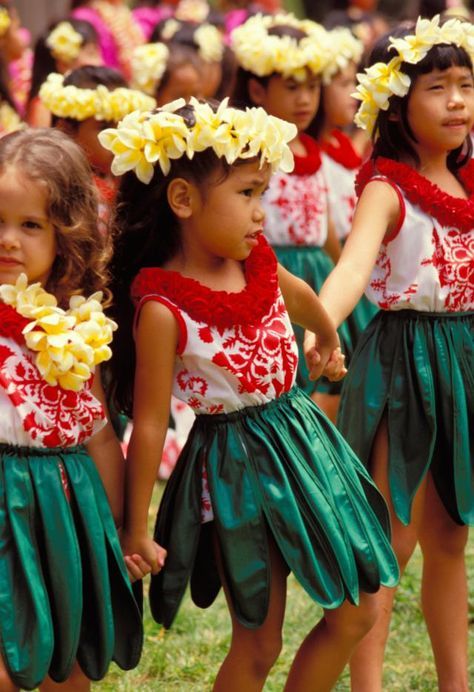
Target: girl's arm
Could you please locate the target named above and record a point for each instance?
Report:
(305, 309)
(106, 452)
(332, 246)
(155, 342)
(376, 214)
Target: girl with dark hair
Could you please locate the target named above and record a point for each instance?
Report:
(66, 45)
(264, 484)
(66, 601)
(407, 404)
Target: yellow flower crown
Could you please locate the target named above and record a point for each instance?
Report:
(262, 53)
(192, 10)
(5, 21)
(68, 343)
(142, 140)
(382, 80)
(64, 42)
(207, 37)
(10, 121)
(148, 66)
(344, 48)
(99, 103)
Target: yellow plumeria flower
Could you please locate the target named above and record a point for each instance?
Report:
(210, 42)
(64, 42)
(5, 21)
(148, 66)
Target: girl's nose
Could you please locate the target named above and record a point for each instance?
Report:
(258, 212)
(456, 99)
(8, 237)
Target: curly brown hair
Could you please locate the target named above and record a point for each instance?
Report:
(53, 159)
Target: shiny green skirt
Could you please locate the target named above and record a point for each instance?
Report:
(282, 469)
(65, 593)
(417, 369)
(313, 265)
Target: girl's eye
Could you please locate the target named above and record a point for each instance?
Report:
(435, 87)
(248, 192)
(31, 225)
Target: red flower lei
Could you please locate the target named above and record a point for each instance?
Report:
(309, 164)
(343, 152)
(217, 308)
(450, 211)
(12, 323)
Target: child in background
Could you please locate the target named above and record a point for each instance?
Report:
(64, 47)
(16, 55)
(407, 405)
(340, 159)
(65, 591)
(11, 49)
(167, 72)
(265, 484)
(119, 34)
(281, 60)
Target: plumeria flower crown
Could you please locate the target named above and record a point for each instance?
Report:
(379, 82)
(65, 42)
(100, 103)
(5, 21)
(344, 48)
(68, 343)
(263, 53)
(143, 140)
(148, 66)
(208, 38)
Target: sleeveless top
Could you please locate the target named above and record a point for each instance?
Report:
(34, 413)
(296, 203)
(340, 163)
(427, 262)
(235, 349)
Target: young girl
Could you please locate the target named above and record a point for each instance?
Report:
(408, 400)
(10, 50)
(65, 46)
(280, 63)
(265, 484)
(65, 592)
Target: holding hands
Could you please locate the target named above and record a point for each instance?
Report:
(321, 360)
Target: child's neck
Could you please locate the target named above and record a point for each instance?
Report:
(297, 147)
(217, 273)
(434, 167)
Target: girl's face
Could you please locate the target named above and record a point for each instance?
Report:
(12, 43)
(440, 110)
(86, 135)
(339, 105)
(296, 102)
(184, 82)
(27, 237)
(228, 217)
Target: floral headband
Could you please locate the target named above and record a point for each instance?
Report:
(379, 82)
(262, 53)
(148, 66)
(5, 21)
(65, 42)
(99, 103)
(142, 140)
(207, 37)
(192, 10)
(344, 48)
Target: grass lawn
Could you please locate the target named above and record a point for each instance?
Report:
(187, 657)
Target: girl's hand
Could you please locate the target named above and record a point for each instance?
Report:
(335, 368)
(142, 555)
(318, 353)
(136, 566)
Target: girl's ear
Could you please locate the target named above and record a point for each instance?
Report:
(257, 92)
(181, 194)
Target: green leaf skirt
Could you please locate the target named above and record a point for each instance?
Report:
(313, 265)
(65, 593)
(416, 368)
(282, 469)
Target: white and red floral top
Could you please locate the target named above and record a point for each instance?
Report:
(32, 412)
(427, 262)
(235, 349)
(340, 163)
(296, 203)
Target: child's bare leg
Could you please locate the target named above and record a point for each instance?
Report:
(367, 661)
(76, 682)
(444, 592)
(328, 403)
(6, 683)
(253, 651)
(326, 650)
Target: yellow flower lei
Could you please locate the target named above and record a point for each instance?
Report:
(100, 103)
(5, 21)
(143, 139)
(10, 121)
(210, 42)
(68, 343)
(148, 66)
(382, 80)
(64, 42)
(263, 54)
(344, 48)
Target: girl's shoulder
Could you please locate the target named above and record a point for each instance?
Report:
(341, 150)
(431, 199)
(311, 162)
(207, 305)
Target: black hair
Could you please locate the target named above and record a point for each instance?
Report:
(393, 138)
(43, 61)
(89, 77)
(147, 234)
